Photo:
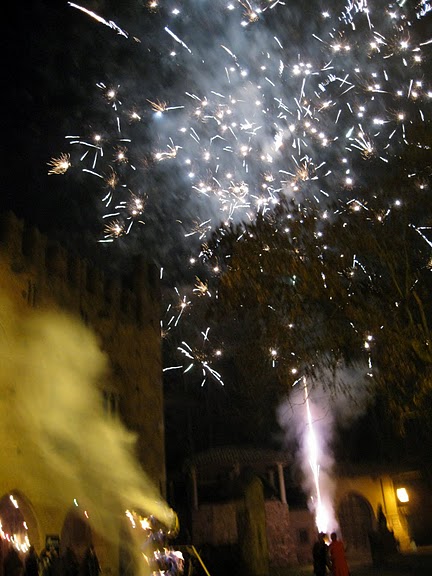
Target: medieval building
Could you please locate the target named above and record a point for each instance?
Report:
(120, 318)
(378, 511)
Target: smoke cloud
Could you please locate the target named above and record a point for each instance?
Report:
(55, 433)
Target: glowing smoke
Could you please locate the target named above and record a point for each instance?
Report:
(310, 416)
(55, 433)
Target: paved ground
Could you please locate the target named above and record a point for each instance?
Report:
(413, 564)
(418, 563)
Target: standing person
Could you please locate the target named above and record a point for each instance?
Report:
(2, 555)
(320, 555)
(13, 565)
(31, 563)
(55, 568)
(69, 563)
(339, 565)
(44, 562)
(90, 565)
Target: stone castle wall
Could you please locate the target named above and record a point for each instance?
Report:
(281, 544)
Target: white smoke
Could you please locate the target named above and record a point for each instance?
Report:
(314, 436)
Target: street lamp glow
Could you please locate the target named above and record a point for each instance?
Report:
(402, 495)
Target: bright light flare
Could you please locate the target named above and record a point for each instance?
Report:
(402, 495)
(322, 514)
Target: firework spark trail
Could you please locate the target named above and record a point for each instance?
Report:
(98, 18)
(177, 39)
(200, 357)
(321, 514)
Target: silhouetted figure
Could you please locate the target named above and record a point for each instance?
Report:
(320, 555)
(13, 565)
(90, 564)
(3, 549)
(55, 568)
(338, 563)
(31, 563)
(381, 519)
(69, 563)
(382, 541)
(44, 562)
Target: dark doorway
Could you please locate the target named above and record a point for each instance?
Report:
(356, 520)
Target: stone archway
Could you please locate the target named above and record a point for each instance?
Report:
(17, 518)
(356, 521)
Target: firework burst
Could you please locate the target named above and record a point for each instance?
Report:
(281, 104)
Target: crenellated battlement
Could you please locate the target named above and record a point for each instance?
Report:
(134, 298)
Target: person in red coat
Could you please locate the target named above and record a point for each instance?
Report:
(338, 563)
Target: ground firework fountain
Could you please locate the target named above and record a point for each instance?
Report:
(320, 502)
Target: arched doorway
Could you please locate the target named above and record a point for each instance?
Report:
(18, 522)
(356, 520)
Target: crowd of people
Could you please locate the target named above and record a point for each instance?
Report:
(329, 557)
(48, 563)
